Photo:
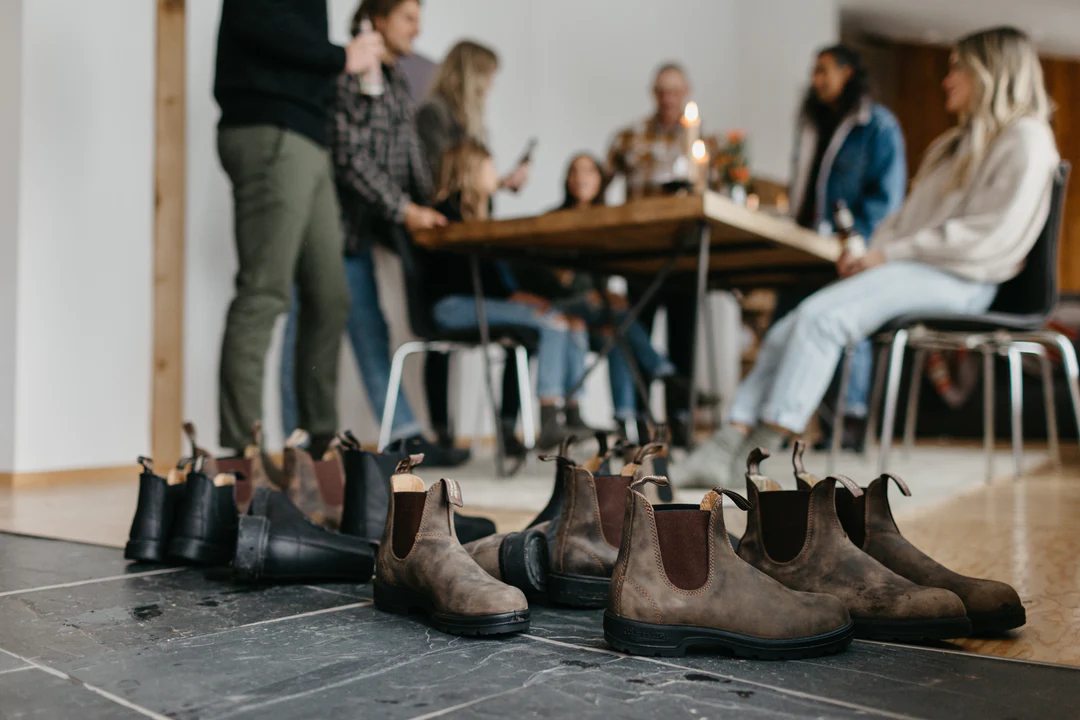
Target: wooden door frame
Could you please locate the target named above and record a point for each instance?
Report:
(170, 148)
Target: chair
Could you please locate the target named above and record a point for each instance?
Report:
(433, 339)
(1012, 327)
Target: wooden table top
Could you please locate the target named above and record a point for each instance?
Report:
(748, 248)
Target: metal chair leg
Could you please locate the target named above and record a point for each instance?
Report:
(892, 391)
(1016, 402)
(875, 397)
(841, 409)
(913, 399)
(1051, 411)
(988, 410)
(528, 416)
(397, 367)
(1072, 372)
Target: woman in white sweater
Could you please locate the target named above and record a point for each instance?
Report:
(977, 205)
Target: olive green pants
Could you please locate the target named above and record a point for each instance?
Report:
(288, 232)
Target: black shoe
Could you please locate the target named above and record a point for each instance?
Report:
(434, 455)
(513, 447)
(204, 532)
(148, 540)
(276, 542)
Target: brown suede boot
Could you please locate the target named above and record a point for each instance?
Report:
(253, 470)
(317, 487)
(422, 566)
(796, 537)
(589, 532)
(993, 607)
(678, 584)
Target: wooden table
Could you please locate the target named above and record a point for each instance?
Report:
(747, 248)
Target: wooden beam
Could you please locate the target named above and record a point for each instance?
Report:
(169, 197)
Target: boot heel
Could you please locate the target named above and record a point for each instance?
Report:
(523, 561)
(146, 551)
(578, 590)
(251, 547)
(639, 638)
(397, 600)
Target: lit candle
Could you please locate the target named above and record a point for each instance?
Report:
(691, 122)
(699, 174)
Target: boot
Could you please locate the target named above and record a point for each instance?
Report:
(317, 487)
(589, 532)
(204, 531)
(277, 542)
(795, 537)
(993, 607)
(678, 584)
(552, 431)
(254, 469)
(422, 566)
(155, 513)
(437, 454)
(367, 494)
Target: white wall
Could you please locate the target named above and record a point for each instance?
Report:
(83, 338)
(571, 74)
(10, 103)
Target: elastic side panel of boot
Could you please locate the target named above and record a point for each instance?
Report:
(408, 512)
(783, 523)
(684, 545)
(331, 483)
(851, 511)
(240, 466)
(611, 497)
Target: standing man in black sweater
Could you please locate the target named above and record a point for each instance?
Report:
(274, 83)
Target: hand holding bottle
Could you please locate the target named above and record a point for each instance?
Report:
(364, 53)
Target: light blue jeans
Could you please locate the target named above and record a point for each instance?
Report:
(560, 356)
(370, 341)
(799, 354)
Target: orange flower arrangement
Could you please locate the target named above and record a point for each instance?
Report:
(732, 164)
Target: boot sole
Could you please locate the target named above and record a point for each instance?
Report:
(405, 602)
(642, 638)
(251, 547)
(147, 551)
(200, 552)
(580, 591)
(996, 623)
(912, 630)
(523, 561)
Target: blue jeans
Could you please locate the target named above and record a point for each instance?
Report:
(858, 389)
(799, 355)
(561, 355)
(651, 363)
(371, 345)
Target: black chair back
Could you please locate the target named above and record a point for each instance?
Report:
(1034, 292)
(412, 271)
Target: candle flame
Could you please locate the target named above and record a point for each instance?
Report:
(698, 150)
(691, 114)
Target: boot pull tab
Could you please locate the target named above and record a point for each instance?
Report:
(847, 483)
(658, 480)
(452, 489)
(147, 464)
(753, 462)
(197, 464)
(651, 450)
(257, 434)
(797, 457)
(594, 463)
(407, 463)
(886, 477)
(716, 494)
(189, 430)
(565, 445)
(349, 441)
(563, 461)
(298, 440)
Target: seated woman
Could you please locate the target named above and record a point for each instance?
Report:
(467, 181)
(977, 206)
(576, 295)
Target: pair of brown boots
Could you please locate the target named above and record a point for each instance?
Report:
(832, 536)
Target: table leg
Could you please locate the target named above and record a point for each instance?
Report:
(485, 340)
(702, 298)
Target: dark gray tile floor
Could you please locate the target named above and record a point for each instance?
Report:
(83, 635)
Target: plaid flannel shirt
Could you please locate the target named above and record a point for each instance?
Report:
(645, 154)
(378, 163)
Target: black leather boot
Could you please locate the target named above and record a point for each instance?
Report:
(367, 495)
(159, 499)
(204, 532)
(276, 542)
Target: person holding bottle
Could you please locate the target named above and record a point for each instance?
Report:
(977, 206)
(849, 154)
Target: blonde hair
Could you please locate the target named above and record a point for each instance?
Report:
(460, 174)
(462, 82)
(1009, 86)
